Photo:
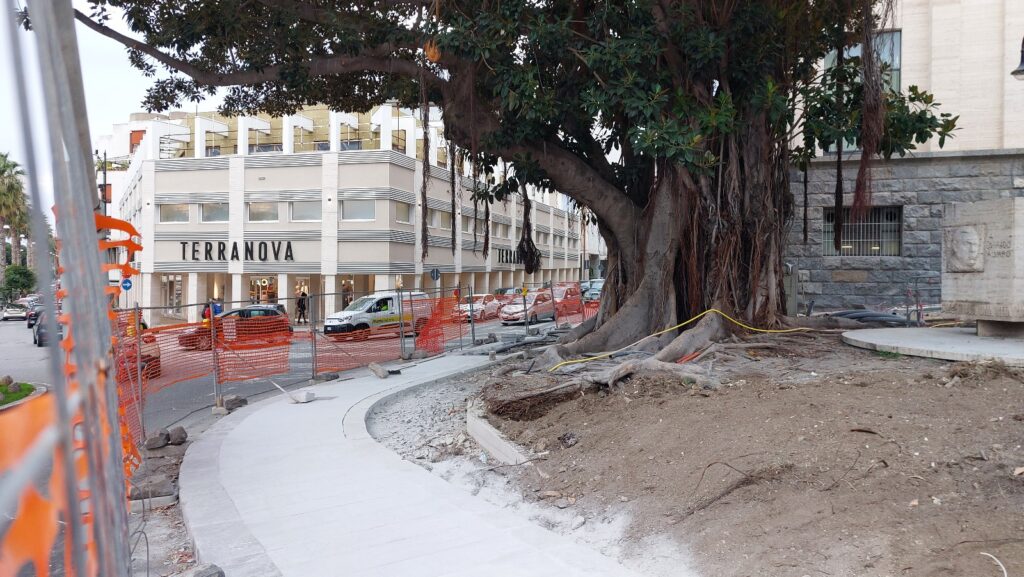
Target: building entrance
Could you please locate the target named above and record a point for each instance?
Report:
(262, 289)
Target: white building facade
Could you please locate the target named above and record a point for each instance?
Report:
(262, 209)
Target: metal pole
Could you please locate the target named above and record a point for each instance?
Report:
(138, 363)
(554, 305)
(472, 322)
(526, 316)
(401, 325)
(218, 395)
(311, 305)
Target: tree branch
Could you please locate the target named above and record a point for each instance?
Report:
(377, 59)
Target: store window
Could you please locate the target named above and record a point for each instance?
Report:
(358, 210)
(266, 147)
(403, 212)
(171, 288)
(173, 213)
(263, 212)
(351, 145)
(214, 212)
(879, 233)
(306, 211)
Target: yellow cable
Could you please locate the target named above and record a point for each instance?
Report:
(948, 324)
(683, 324)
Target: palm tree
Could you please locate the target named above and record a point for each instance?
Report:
(13, 207)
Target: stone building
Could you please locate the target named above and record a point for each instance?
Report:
(962, 51)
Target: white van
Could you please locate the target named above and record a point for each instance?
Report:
(379, 314)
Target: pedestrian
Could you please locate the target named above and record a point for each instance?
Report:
(301, 306)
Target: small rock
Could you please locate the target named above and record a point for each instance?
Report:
(541, 445)
(158, 439)
(568, 440)
(492, 356)
(378, 370)
(550, 495)
(205, 570)
(936, 501)
(578, 521)
(913, 503)
(562, 503)
(177, 436)
(151, 487)
(328, 377)
(1018, 471)
(421, 453)
(533, 332)
(14, 387)
(234, 402)
(483, 458)
(6, 380)
(623, 498)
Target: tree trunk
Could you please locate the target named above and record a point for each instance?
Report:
(704, 240)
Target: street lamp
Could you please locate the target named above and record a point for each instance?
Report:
(1019, 72)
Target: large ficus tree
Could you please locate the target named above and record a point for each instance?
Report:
(670, 121)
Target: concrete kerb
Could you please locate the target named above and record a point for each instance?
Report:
(950, 344)
(206, 505)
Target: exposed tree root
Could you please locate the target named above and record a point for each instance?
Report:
(529, 404)
(685, 373)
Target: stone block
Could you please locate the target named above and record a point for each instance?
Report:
(234, 402)
(177, 435)
(983, 256)
(933, 169)
(811, 288)
(849, 276)
(916, 211)
(880, 276)
(152, 486)
(205, 570)
(158, 439)
(916, 237)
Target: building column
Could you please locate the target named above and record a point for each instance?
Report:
(236, 291)
(330, 288)
(333, 130)
(192, 297)
(386, 125)
(383, 282)
(146, 280)
(284, 292)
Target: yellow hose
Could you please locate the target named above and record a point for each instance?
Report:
(680, 325)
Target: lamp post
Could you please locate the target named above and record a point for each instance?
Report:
(1018, 73)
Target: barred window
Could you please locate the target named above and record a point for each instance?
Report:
(879, 233)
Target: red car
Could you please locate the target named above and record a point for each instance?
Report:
(568, 300)
(252, 323)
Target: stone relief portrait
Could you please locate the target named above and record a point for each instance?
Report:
(964, 248)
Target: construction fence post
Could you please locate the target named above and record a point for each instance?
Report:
(554, 305)
(526, 316)
(401, 326)
(472, 321)
(218, 395)
(313, 307)
(137, 321)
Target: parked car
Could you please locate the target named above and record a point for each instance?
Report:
(40, 334)
(538, 306)
(15, 312)
(378, 314)
(247, 324)
(593, 291)
(484, 307)
(568, 300)
(33, 314)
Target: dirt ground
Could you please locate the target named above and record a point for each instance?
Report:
(818, 459)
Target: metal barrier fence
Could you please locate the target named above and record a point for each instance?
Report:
(245, 348)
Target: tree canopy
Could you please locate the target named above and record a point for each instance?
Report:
(673, 122)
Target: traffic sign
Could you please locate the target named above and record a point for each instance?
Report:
(435, 274)
(126, 284)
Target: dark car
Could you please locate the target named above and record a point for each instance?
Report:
(40, 334)
(33, 314)
(251, 323)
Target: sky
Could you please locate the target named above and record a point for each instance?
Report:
(113, 88)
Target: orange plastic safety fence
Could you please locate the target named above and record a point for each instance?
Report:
(248, 348)
(341, 352)
(443, 325)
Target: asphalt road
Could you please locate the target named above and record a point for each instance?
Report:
(19, 358)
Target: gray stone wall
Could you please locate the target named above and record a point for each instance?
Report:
(921, 185)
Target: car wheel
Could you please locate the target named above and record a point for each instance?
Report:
(420, 323)
(204, 343)
(533, 319)
(34, 339)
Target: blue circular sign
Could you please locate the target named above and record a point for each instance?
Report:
(126, 284)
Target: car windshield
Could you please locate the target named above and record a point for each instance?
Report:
(361, 304)
(597, 284)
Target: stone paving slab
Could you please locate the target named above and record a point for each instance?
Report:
(951, 344)
(303, 490)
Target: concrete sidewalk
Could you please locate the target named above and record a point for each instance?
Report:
(279, 489)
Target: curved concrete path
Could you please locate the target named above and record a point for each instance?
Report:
(951, 344)
(280, 489)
